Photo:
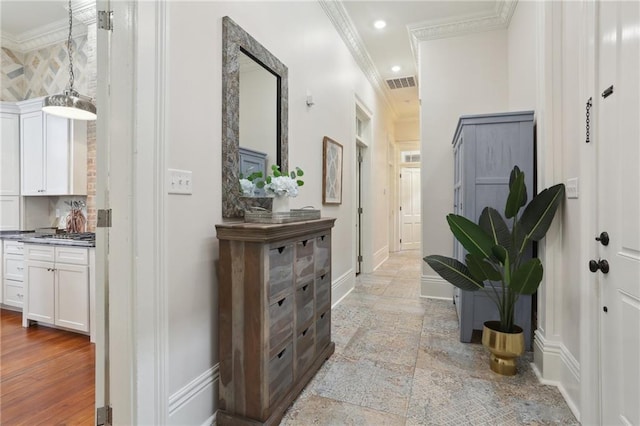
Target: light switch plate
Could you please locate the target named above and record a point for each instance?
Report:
(572, 188)
(179, 181)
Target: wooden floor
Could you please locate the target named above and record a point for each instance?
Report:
(46, 375)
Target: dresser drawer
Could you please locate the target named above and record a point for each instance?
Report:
(305, 349)
(13, 267)
(13, 247)
(304, 261)
(280, 373)
(280, 271)
(304, 305)
(323, 292)
(13, 293)
(323, 254)
(280, 322)
(323, 330)
(43, 253)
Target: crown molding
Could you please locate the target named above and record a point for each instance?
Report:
(347, 30)
(499, 19)
(40, 37)
(85, 12)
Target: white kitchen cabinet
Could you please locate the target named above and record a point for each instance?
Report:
(57, 286)
(54, 152)
(9, 150)
(9, 212)
(13, 274)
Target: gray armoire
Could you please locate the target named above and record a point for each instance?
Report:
(486, 147)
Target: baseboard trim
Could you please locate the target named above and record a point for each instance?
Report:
(433, 287)
(211, 421)
(199, 394)
(341, 287)
(380, 256)
(555, 365)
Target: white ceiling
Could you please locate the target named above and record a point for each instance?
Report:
(24, 19)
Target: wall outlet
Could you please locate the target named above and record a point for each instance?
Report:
(179, 181)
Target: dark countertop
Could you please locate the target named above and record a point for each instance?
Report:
(32, 237)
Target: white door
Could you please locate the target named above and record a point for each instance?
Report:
(411, 225)
(618, 159)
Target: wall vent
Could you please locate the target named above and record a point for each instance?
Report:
(401, 82)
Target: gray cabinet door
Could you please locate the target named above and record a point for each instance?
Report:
(486, 147)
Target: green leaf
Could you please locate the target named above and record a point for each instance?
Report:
(299, 171)
(470, 235)
(454, 272)
(500, 253)
(516, 170)
(517, 195)
(299, 182)
(538, 215)
(525, 279)
(480, 269)
(260, 184)
(268, 179)
(293, 175)
(492, 223)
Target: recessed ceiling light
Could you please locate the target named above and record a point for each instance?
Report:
(395, 68)
(380, 24)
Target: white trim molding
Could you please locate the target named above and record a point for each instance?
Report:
(348, 32)
(380, 256)
(341, 287)
(195, 399)
(432, 30)
(434, 287)
(555, 365)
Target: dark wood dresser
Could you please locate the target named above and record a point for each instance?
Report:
(274, 316)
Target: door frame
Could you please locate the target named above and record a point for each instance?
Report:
(135, 131)
(365, 143)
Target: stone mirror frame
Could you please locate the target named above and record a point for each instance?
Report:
(235, 40)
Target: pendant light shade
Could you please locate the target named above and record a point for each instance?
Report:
(70, 104)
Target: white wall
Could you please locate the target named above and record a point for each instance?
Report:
(521, 42)
(407, 130)
(459, 76)
(302, 37)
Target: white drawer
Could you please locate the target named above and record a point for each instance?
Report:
(13, 267)
(13, 293)
(39, 252)
(73, 255)
(13, 247)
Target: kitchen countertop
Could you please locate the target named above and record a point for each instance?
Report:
(32, 237)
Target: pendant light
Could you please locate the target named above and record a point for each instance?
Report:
(70, 104)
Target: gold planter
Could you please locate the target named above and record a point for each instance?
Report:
(505, 348)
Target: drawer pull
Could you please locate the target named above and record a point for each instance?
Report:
(322, 276)
(281, 353)
(304, 333)
(322, 316)
(20, 247)
(281, 249)
(280, 302)
(322, 238)
(20, 295)
(304, 243)
(19, 268)
(304, 288)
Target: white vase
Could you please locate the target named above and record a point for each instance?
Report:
(280, 204)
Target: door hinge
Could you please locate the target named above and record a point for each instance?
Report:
(400, 175)
(104, 416)
(400, 208)
(400, 240)
(608, 91)
(105, 20)
(359, 258)
(360, 158)
(104, 218)
(359, 210)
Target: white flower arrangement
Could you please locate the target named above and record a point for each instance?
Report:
(280, 184)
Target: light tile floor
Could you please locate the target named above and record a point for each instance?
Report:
(398, 361)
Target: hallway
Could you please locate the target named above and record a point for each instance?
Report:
(398, 361)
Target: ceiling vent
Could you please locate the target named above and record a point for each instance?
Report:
(401, 82)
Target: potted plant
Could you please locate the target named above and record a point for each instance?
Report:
(496, 263)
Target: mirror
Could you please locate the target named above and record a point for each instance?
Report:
(254, 115)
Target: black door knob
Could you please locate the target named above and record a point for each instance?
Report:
(603, 238)
(602, 265)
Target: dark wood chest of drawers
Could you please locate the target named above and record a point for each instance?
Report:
(274, 315)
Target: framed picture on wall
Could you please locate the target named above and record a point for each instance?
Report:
(331, 171)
